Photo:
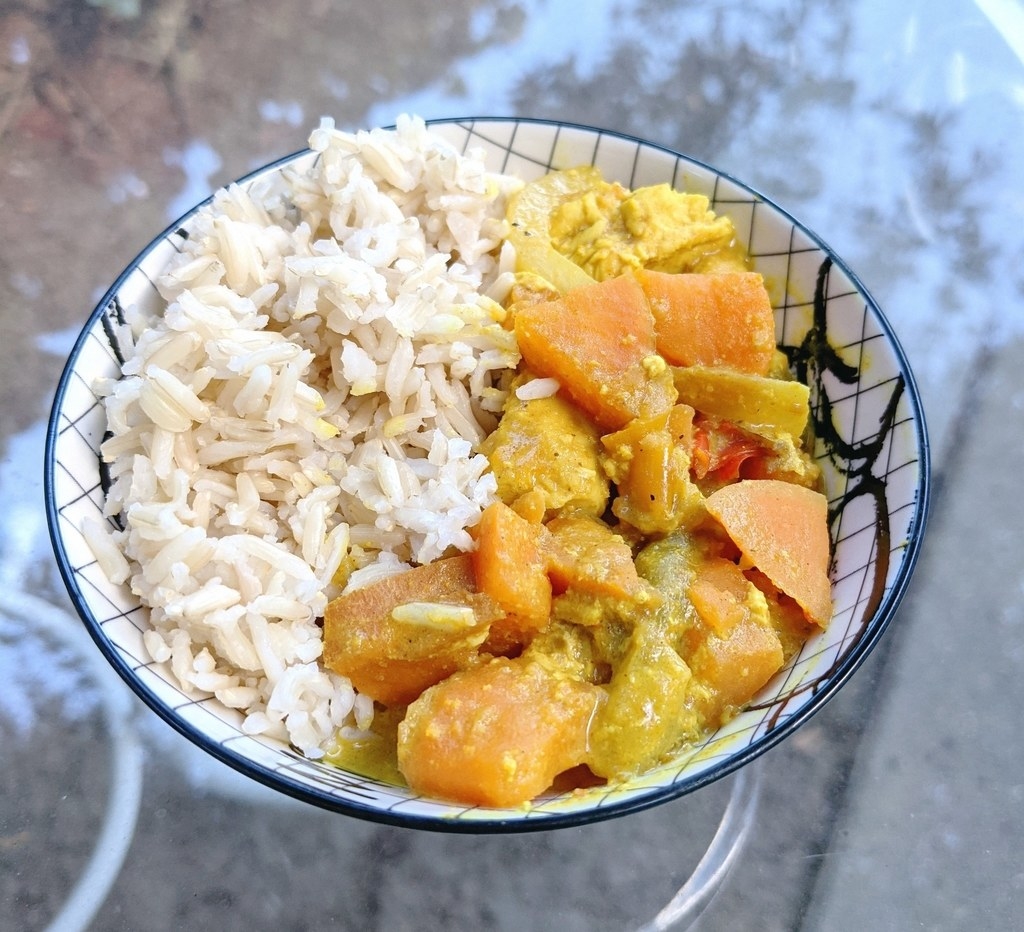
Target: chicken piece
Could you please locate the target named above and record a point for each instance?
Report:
(608, 231)
(675, 232)
(547, 445)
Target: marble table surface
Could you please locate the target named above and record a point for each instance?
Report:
(895, 131)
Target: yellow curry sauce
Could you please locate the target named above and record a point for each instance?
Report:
(659, 548)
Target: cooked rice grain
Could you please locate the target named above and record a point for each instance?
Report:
(303, 415)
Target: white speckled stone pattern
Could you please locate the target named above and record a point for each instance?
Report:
(893, 130)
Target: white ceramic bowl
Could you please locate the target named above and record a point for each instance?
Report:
(872, 447)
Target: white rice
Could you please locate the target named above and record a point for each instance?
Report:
(304, 414)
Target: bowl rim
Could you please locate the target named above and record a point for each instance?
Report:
(873, 628)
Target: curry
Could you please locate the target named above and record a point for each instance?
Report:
(659, 547)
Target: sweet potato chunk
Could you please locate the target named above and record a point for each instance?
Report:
(589, 556)
(510, 564)
(712, 320)
(734, 668)
(741, 650)
(782, 530)
(497, 734)
(393, 655)
(719, 592)
(598, 341)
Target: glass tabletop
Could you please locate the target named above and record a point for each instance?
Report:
(894, 131)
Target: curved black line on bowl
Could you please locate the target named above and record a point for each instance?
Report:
(871, 632)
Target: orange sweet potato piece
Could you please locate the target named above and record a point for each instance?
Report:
(788, 619)
(782, 529)
(510, 564)
(496, 734)
(394, 660)
(712, 320)
(589, 556)
(599, 342)
(718, 592)
(741, 650)
(734, 668)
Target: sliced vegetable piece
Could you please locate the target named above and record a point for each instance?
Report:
(782, 530)
(599, 343)
(530, 208)
(646, 714)
(496, 734)
(759, 402)
(536, 255)
(529, 215)
(712, 320)
(719, 592)
(399, 635)
(649, 460)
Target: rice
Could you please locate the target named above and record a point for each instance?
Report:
(303, 415)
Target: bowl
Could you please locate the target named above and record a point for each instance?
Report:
(871, 445)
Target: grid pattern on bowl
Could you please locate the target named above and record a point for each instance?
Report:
(870, 447)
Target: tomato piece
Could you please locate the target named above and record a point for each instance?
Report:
(720, 448)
